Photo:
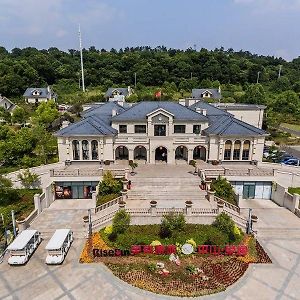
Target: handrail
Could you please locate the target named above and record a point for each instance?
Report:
(108, 204)
(227, 204)
(103, 219)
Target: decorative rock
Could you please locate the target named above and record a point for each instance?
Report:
(160, 265)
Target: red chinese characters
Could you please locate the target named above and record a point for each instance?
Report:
(135, 249)
(148, 249)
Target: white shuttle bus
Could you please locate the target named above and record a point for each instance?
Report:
(58, 246)
(23, 246)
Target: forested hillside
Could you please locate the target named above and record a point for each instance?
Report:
(175, 71)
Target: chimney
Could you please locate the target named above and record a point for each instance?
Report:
(65, 124)
(201, 111)
(113, 113)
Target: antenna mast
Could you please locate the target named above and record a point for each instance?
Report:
(81, 59)
(280, 69)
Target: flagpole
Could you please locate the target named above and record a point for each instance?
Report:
(81, 59)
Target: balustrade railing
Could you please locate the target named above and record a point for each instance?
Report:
(108, 204)
(118, 173)
(227, 204)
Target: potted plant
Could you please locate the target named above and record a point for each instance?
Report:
(85, 219)
(153, 203)
(188, 203)
(254, 218)
(107, 162)
(194, 164)
(21, 222)
(122, 204)
(220, 204)
(133, 165)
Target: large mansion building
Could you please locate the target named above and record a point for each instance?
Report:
(165, 131)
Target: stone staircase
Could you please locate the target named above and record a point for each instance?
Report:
(167, 191)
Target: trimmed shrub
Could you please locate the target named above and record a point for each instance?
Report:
(224, 190)
(226, 225)
(170, 223)
(108, 230)
(109, 185)
(121, 221)
(217, 238)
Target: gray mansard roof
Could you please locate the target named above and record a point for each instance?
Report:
(211, 110)
(104, 111)
(197, 93)
(140, 111)
(97, 120)
(229, 126)
(122, 91)
(44, 93)
(89, 126)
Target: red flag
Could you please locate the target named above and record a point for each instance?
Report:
(158, 94)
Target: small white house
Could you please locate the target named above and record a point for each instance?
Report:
(7, 104)
(38, 95)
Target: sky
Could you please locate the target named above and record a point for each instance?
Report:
(268, 27)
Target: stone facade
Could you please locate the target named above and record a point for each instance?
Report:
(161, 137)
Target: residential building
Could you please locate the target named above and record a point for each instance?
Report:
(38, 95)
(118, 94)
(160, 132)
(207, 94)
(7, 104)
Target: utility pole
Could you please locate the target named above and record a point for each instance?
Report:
(191, 76)
(81, 59)
(280, 69)
(135, 80)
(258, 73)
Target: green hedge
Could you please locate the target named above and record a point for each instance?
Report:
(106, 198)
(145, 234)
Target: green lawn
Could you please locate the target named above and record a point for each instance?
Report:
(291, 126)
(294, 190)
(22, 206)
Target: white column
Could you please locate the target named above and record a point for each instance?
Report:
(80, 150)
(130, 154)
(241, 150)
(90, 150)
(231, 152)
(190, 154)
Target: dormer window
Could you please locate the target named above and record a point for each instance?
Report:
(36, 93)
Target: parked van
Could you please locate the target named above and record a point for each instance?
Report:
(58, 246)
(23, 246)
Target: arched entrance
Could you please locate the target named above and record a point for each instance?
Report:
(199, 153)
(140, 153)
(121, 153)
(181, 153)
(161, 154)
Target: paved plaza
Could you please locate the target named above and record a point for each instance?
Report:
(72, 280)
(278, 230)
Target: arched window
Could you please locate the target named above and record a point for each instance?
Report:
(75, 149)
(237, 150)
(85, 150)
(227, 150)
(246, 150)
(95, 155)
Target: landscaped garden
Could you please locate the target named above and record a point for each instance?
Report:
(109, 188)
(175, 258)
(224, 190)
(18, 200)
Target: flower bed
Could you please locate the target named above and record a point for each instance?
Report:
(195, 275)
